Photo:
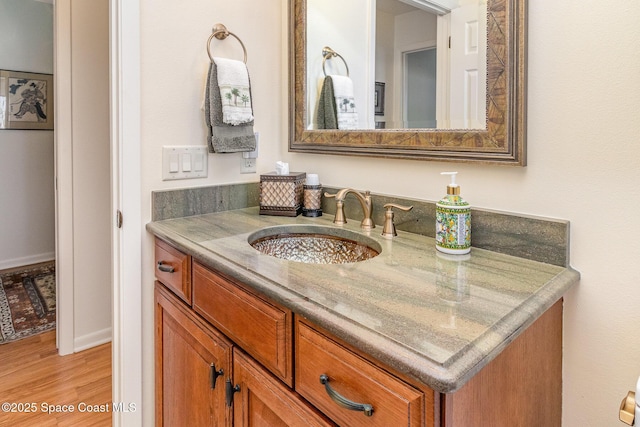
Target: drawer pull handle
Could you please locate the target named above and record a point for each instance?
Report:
(343, 401)
(165, 268)
(230, 390)
(215, 374)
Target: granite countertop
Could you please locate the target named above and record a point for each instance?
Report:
(436, 318)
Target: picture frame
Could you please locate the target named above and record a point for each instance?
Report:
(26, 100)
(379, 99)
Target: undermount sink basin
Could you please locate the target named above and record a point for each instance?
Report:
(314, 244)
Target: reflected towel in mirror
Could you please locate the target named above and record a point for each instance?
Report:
(336, 104)
(345, 102)
(326, 117)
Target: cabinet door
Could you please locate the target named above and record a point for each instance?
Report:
(262, 400)
(190, 355)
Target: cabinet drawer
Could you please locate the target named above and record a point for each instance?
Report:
(260, 327)
(394, 402)
(173, 269)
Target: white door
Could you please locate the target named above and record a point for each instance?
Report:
(124, 22)
(82, 175)
(468, 65)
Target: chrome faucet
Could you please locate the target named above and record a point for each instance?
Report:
(365, 201)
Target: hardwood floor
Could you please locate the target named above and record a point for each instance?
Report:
(33, 376)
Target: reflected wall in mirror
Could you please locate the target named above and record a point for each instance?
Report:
(475, 113)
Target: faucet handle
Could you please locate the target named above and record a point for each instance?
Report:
(339, 218)
(390, 206)
(389, 229)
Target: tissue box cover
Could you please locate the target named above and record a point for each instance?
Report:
(281, 195)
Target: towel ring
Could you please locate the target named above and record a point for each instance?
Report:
(328, 53)
(220, 32)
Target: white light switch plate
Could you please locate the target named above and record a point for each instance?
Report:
(184, 162)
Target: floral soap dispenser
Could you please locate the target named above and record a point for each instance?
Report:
(453, 221)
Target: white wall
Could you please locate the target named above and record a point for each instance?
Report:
(385, 41)
(584, 161)
(26, 31)
(26, 156)
(174, 63)
(343, 33)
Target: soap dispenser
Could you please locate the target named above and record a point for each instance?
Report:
(453, 221)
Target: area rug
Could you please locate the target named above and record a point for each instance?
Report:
(27, 301)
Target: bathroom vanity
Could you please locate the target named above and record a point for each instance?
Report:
(408, 337)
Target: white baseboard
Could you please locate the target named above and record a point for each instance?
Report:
(93, 339)
(27, 260)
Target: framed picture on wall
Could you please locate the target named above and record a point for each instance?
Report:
(26, 100)
(379, 99)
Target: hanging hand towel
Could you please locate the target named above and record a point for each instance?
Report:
(326, 117)
(345, 103)
(235, 92)
(223, 137)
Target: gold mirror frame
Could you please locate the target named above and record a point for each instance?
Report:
(502, 142)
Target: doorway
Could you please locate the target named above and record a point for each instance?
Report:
(419, 89)
(79, 146)
(82, 173)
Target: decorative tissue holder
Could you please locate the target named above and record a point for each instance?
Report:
(281, 195)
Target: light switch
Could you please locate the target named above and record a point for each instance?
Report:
(186, 162)
(173, 163)
(198, 162)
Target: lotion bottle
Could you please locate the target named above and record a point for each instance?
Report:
(453, 221)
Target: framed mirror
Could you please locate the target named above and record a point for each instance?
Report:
(478, 117)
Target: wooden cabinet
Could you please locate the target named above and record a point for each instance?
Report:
(225, 355)
(192, 361)
(203, 378)
(522, 386)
